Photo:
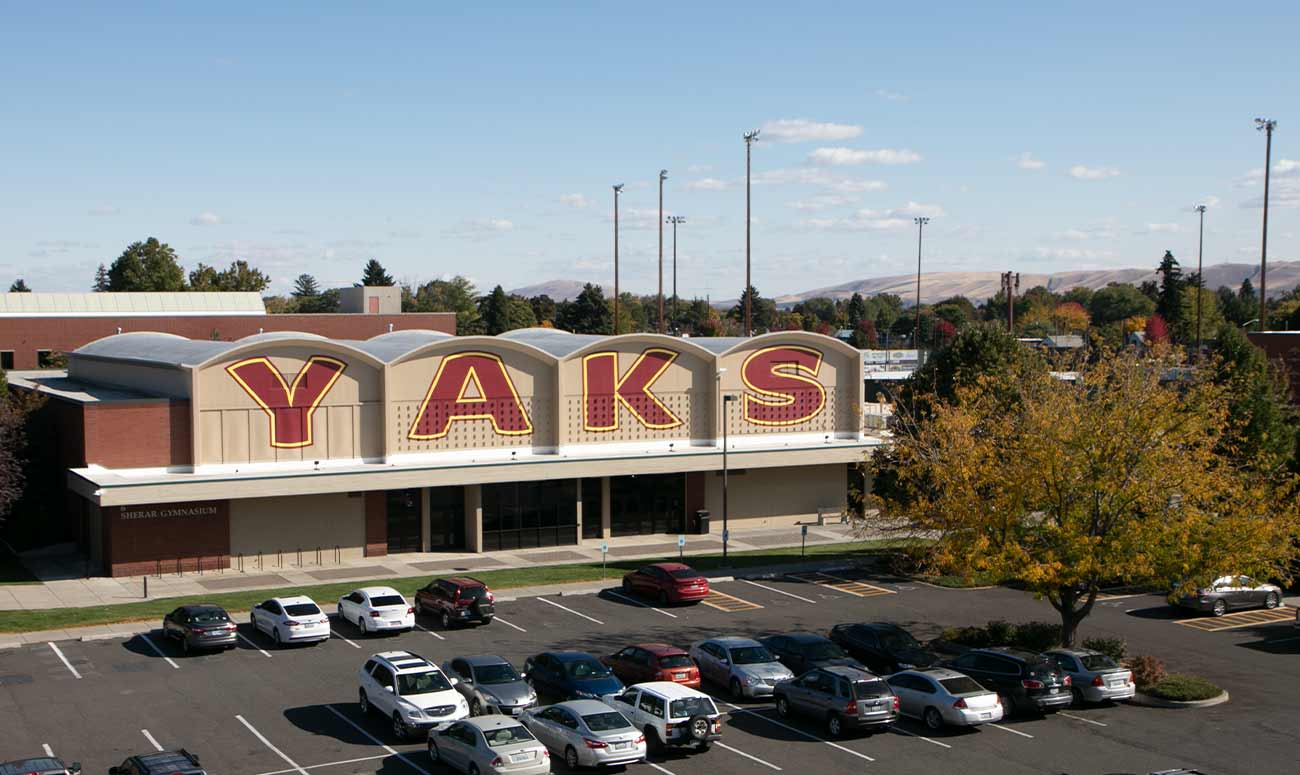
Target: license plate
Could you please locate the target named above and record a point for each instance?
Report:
(395, 621)
(986, 715)
(1056, 691)
(679, 676)
(620, 746)
(520, 757)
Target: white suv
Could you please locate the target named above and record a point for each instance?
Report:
(671, 714)
(410, 690)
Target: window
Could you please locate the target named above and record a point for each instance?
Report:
(692, 706)
(497, 738)
(606, 722)
(866, 690)
(422, 683)
(44, 359)
(461, 668)
(1095, 662)
(500, 673)
(751, 655)
(674, 660)
(7, 360)
(383, 675)
(586, 668)
(382, 601)
(629, 697)
(301, 609)
(652, 704)
(370, 666)
(567, 719)
(961, 685)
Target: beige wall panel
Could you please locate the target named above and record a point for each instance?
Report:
(210, 436)
(235, 437)
(341, 443)
(771, 497)
(305, 522)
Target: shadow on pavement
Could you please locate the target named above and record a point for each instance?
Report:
(1164, 612)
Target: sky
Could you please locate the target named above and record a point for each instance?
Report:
(484, 141)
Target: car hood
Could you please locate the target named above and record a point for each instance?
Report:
(597, 687)
(434, 699)
(513, 693)
(845, 661)
(769, 671)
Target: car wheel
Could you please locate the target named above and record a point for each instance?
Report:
(361, 625)
(399, 729)
(473, 770)
(1270, 600)
(364, 702)
(476, 707)
(704, 746)
(571, 758)
(782, 707)
(1220, 607)
(737, 692)
(834, 726)
(185, 645)
(627, 587)
(434, 755)
(933, 719)
(446, 621)
(663, 598)
(652, 741)
(1079, 701)
(275, 636)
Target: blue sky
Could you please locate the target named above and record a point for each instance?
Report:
(484, 141)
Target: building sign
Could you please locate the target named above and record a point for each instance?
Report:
(785, 387)
(171, 511)
(604, 391)
(470, 386)
(289, 407)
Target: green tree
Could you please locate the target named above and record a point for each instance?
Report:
(1079, 294)
(1262, 421)
(856, 312)
(102, 281)
(1118, 301)
(305, 286)
(146, 266)
(494, 308)
(957, 310)
(587, 314)
(977, 353)
(543, 309)
(1211, 317)
(375, 275)
(763, 311)
(238, 277)
(1169, 303)
(455, 295)
(519, 313)
(19, 286)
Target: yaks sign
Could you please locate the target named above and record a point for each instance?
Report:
(604, 391)
(288, 407)
(784, 384)
(470, 386)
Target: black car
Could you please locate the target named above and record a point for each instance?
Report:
(1025, 681)
(39, 765)
(802, 651)
(180, 762)
(200, 627)
(885, 648)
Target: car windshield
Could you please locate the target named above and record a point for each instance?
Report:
(960, 685)
(473, 593)
(606, 722)
(586, 668)
(383, 601)
(208, 616)
(1097, 662)
(421, 683)
(503, 673)
(896, 640)
(507, 736)
(691, 706)
(826, 650)
(865, 690)
(675, 660)
(751, 655)
(684, 573)
(302, 609)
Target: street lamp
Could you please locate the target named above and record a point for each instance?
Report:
(663, 175)
(1200, 278)
(617, 190)
(725, 533)
(1265, 125)
(750, 139)
(921, 221)
(674, 220)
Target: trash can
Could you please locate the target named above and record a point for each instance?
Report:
(702, 522)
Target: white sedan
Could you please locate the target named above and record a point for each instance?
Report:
(291, 620)
(375, 609)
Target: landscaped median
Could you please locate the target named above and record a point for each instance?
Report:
(535, 576)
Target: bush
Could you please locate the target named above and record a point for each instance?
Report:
(1000, 633)
(1183, 688)
(975, 637)
(1037, 636)
(1030, 636)
(1147, 671)
(1115, 648)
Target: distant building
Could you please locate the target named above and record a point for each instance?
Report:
(1282, 347)
(371, 300)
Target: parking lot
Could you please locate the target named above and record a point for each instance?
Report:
(258, 710)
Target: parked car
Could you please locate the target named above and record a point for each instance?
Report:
(942, 697)
(743, 665)
(489, 744)
(586, 733)
(375, 609)
(1229, 592)
(490, 684)
(1094, 677)
(39, 765)
(670, 714)
(654, 662)
(843, 697)
(199, 627)
(571, 675)
(291, 620)
(1026, 682)
(459, 600)
(667, 582)
(180, 762)
(882, 647)
(410, 690)
(802, 651)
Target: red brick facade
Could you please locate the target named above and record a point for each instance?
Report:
(149, 434)
(140, 540)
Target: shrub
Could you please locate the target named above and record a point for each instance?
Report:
(1147, 671)
(975, 637)
(1037, 636)
(1183, 688)
(1115, 648)
(1000, 633)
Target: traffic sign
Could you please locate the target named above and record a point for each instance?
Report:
(726, 536)
(604, 547)
(681, 541)
(805, 530)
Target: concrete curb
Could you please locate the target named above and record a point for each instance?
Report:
(1146, 700)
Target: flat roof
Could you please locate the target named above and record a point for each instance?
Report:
(57, 384)
(131, 304)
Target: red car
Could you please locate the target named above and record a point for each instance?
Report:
(667, 582)
(653, 662)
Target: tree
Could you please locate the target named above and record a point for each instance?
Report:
(374, 274)
(1157, 332)
(543, 309)
(1070, 317)
(102, 282)
(455, 295)
(1118, 301)
(519, 313)
(14, 412)
(856, 311)
(307, 296)
(238, 277)
(305, 286)
(1067, 487)
(957, 310)
(975, 353)
(146, 266)
(1211, 317)
(494, 308)
(864, 335)
(588, 314)
(19, 286)
(762, 311)
(1262, 421)
(1169, 303)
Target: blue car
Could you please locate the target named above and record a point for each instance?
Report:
(560, 676)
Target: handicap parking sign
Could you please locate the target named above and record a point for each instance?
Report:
(681, 541)
(604, 547)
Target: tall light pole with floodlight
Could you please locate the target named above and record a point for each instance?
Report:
(617, 190)
(1200, 278)
(1265, 125)
(921, 221)
(674, 220)
(750, 139)
(663, 175)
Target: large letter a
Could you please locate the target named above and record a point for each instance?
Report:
(449, 398)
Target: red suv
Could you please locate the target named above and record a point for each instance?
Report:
(667, 582)
(653, 662)
(459, 600)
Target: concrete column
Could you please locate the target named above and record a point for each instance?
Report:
(578, 509)
(426, 530)
(604, 507)
(474, 517)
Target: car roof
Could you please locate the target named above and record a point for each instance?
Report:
(802, 637)
(36, 764)
(294, 600)
(584, 707)
(195, 607)
(494, 721)
(670, 566)
(484, 659)
(850, 672)
(405, 660)
(733, 641)
(937, 673)
(570, 656)
(168, 760)
(1021, 654)
(660, 649)
(669, 690)
(372, 591)
(1074, 652)
(464, 581)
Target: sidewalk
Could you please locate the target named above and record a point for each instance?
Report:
(63, 586)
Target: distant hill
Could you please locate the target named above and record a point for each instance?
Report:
(559, 290)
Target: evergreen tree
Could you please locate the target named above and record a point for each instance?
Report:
(1169, 302)
(305, 287)
(856, 311)
(375, 275)
(239, 277)
(543, 309)
(19, 286)
(1263, 423)
(588, 314)
(102, 283)
(494, 308)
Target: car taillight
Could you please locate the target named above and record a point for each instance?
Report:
(717, 725)
(895, 702)
(595, 743)
(960, 704)
(852, 707)
(1097, 681)
(198, 630)
(497, 762)
(639, 740)
(1067, 680)
(375, 614)
(491, 597)
(1030, 683)
(546, 754)
(410, 609)
(998, 698)
(1130, 673)
(292, 623)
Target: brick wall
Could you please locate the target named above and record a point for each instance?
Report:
(166, 537)
(376, 523)
(149, 434)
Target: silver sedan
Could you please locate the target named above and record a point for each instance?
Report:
(1094, 677)
(743, 665)
(488, 744)
(942, 697)
(587, 733)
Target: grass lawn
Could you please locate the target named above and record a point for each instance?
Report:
(59, 618)
(12, 570)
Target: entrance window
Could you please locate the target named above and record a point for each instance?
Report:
(522, 515)
(642, 505)
(403, 521)
(447, 518)
(592, 502)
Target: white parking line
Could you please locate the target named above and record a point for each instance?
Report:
(570, 610)
(721, 744)
(403, 757)
(268, 744)
(922, 737)
(508, 624)
(152, 742)
(422, 628)
(65, 661)
(240, 635)
(1013, 731)
(345, 640)
(158, 651)
(789, 728)
(661, 769)
(327, 764)
(778, 591)
(48, 751)
(1080, 718)
(621, 596)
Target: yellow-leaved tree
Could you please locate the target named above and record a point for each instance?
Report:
(1117, 477)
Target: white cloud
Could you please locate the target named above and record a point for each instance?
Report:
(1103, 231)
(103, 210)
(1286, 168)
(206, 219)
(708, 184)
(697, 169)
(577, 201)
(821, 202)
(1162, 228)
(875, 220)
(892, 96)
(1284, 193)
(480, 228)
(1071, 253)
(814, 177)
(1080, 172)
(1026, 161)
(801, 130)
(839, 157)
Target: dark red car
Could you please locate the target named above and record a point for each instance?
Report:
(667, 582)
(459, 600)
(653, 662)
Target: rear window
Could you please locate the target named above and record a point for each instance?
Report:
(383, 601)
(208, 616)
(751, 655)
(507, 736)
(473, 593)
(606, 722)
(302, 609)
(1097, 662)
(675, 660)
(691, 706)
(960, 685)
(685, 573)
(866, 690)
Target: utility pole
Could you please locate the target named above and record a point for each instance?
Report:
(617, 190)
(1200, 279)
(674, 220)
(663, 175)
(1266, 125)
(750, 139)
(916, 334)
(1011, 286)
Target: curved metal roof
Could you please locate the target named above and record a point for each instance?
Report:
(552, 340)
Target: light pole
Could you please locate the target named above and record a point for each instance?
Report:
(617, 190)
(725, 533)
(674, 220)
(921, 221)
(1266, 125)
(1200, 278)
(663, 175)
(750, 139)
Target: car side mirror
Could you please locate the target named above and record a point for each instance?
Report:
(726, 661)
(455, 681)
(74, 768)
(388, 689)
